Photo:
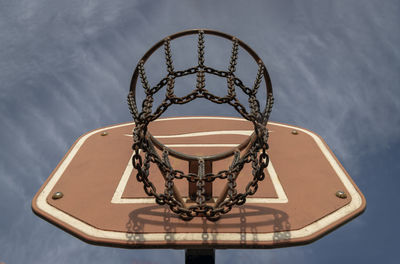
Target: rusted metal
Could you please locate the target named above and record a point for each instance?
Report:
(200, 176)
(193, 168)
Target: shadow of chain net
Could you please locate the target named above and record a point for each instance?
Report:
(161, 216)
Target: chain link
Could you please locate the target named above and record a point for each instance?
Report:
(200, 198)
(168, 57)
(200, 48)
(234, 56)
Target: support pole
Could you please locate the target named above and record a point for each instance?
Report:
(200, 256)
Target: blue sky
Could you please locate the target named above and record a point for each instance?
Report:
(65, 68)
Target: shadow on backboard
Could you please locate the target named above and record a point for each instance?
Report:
(245, 226)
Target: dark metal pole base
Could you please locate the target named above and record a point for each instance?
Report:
(199, 256)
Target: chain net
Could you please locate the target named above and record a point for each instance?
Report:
(144, 152)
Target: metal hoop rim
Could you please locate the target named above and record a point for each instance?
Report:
(156, 46)
(249, 50)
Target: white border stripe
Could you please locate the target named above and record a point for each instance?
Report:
(202, 145)
(117, 197)
(201, 117)
(356, 202)
(210, 133)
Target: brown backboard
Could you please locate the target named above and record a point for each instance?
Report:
(102, 203)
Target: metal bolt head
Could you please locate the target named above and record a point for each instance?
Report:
(341, 194)
(104, 133)
(294, 132)
(57, 195)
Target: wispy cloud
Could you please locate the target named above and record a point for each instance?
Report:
(65, 68)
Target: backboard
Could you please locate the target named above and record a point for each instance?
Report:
(93, 193)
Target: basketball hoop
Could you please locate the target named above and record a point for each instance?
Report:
(200, 178)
